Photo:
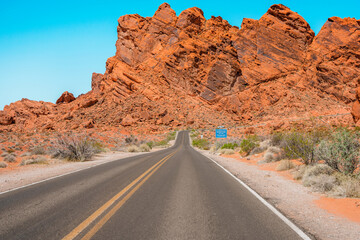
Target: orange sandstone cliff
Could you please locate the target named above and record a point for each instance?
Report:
(174, 70)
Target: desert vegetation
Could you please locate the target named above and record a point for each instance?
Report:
(327, 158)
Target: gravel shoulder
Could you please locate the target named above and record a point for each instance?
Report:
(292, 199)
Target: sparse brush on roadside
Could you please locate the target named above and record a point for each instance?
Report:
(263, 146)
(201, 143)
(38, 160)
(229, 146)
(3, 164)
(319, 177)
(131, 139)
(9, 157)
(38, 150)
(273, 154)
(74, 148)
(349, 186)
(226, 151)
(145, 148)
(299, 145)
(249, 143)
(341, 152)
(133, 148)
(285, 165)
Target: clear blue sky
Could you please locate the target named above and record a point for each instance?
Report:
(48, 47)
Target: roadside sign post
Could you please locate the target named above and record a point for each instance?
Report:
(221, 133)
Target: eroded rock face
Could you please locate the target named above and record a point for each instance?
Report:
(207, 73)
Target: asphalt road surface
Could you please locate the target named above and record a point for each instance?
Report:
(176, 193)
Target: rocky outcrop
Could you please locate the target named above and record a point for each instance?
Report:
(66, 97)
(171, 70)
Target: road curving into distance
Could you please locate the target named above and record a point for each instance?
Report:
(176, 193)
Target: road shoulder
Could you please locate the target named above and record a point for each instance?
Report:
(292, 199)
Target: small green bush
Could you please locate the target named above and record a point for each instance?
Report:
(249, 143)
(171, 136)
(299, 145)
(229, 146)
(150, 144)
(201, 143)
(161, 143)
(341, 152)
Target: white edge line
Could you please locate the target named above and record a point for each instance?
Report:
(267, 204)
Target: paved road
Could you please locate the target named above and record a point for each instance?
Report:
(176, 193)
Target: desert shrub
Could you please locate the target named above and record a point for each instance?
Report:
(201, 143)
(131, 139)
(263, 146)
(272, 154)
(133, 148)
(73, 148)
(320, 183)
(38, 150)
(318, 169)
(341, 152)
(38, 160)
(226, 151)
(276, 139)
(161, 143)
(150, 144)
(171, 136)
(299, 145)
(229, 146)
(299, 172)
(249, 143)
(3, 164)
(10, 157)
(144, 148)
(320, 178)
(285, 165)
(213, 149)
(349, 186)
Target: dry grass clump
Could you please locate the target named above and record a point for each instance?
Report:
(9, 157)
(272, 154)
(37, 160)
(226, 151)
(320, 183)
(3, 164)
(299, 171)
(320, 178)
(348, 187)
(145, 147)
(38, 150)
(285, 165)
(75, 148)
(263, 146)
(133, 148)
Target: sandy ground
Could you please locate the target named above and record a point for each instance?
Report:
(293, 199)
(29, 174)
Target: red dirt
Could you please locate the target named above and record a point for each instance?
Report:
(344, 207)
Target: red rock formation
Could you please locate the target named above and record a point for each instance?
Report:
(66, 97)
(184, 70)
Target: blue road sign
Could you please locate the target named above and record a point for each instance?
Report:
(221, 133)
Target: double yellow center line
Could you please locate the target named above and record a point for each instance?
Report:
(139, 181)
